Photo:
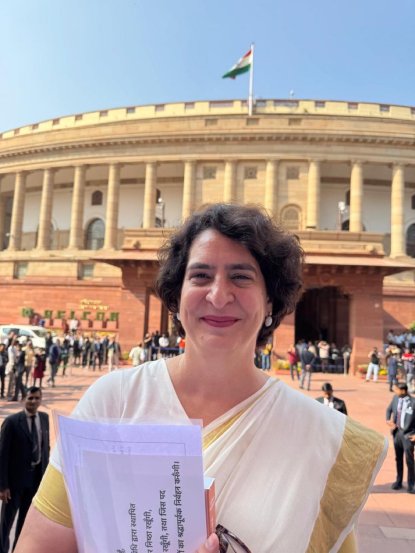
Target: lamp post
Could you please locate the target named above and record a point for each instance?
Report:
(341, 210)
(162, 206)
(54, 229)
(6, 241)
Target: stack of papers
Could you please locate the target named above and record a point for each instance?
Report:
(134, 488)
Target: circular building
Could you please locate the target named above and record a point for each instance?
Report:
(86, 200)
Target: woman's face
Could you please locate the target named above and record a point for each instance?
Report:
(223, 300)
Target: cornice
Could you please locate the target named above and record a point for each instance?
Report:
(211, 138)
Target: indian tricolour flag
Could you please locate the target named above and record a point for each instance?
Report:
(242, 66)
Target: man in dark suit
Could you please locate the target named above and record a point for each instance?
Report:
(400, 416)
(331, 401)
(24, 455)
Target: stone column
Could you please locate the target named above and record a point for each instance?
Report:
(230, 181)
(149, 215)
(189, 189)
(16, 226)
(113, 200)
(398, 211)
(356, 197)
(76, 238)
(271, 187)
(45, 217)
(313, 195)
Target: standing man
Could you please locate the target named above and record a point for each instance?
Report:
(293, 361)
(20, 370)
(374, 364)
(114, 354)
(331, 401)
(324, 354)
(392, 371)
(54, 360)
(3, 362)
(409, 368)
(400, 417)
(137, 354)
(308, 360)
(24, 455)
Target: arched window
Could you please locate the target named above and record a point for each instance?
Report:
(95, 233)
(410, 241)
(96, 198)
(413, 202)
(291, 217)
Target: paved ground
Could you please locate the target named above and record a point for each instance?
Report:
(387, 523)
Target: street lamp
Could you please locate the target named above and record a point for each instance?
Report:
(162, 206)
(6, 240)
(54, 230)
(341, 210)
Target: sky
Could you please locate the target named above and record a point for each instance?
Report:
(59, 57)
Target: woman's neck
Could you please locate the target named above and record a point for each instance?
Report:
(218, 379)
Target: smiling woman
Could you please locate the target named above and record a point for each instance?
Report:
(228, 277)
(223, 294)
(274, 257)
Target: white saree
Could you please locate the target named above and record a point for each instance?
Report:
(291, 476)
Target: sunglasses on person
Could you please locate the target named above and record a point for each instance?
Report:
(228, 541)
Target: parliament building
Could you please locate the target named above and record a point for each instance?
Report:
(87, 199)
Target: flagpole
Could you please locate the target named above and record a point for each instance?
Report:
(251, 83)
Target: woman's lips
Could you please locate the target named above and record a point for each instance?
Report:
(219, 321)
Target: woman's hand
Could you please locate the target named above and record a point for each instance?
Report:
(211, 545)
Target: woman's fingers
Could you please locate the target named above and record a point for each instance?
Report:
(211, 545)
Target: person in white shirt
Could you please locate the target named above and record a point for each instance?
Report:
(136, 354)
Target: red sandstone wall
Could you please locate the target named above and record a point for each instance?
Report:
(284, 336)
(398, 312)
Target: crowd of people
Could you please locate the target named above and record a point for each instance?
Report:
(306, 357)
(398, 359)
(23, 365)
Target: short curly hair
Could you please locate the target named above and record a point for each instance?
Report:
(277, 252)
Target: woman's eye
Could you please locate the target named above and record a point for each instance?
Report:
(241, 277)
(199, 276)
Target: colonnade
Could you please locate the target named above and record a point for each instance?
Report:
(270, 200)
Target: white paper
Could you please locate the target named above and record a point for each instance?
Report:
(134, 488)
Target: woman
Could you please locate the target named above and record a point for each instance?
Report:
(293, 361)
(228, 277)
(39, 367)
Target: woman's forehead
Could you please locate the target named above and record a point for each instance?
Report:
(213, 247)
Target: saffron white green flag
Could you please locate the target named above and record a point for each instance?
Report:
(242, 66)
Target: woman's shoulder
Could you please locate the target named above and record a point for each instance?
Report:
(107, 396)
(350, 434)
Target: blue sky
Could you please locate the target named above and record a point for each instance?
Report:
(59, 57)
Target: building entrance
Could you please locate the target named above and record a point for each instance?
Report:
(323, 314)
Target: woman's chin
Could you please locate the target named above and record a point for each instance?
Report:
(215, 342)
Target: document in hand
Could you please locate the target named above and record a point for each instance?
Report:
(134, 487)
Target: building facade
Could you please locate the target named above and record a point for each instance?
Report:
(86, 200)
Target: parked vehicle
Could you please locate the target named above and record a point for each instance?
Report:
(37, 334)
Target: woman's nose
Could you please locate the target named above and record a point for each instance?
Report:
(220, 293)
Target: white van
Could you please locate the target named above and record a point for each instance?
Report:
(37, 334)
